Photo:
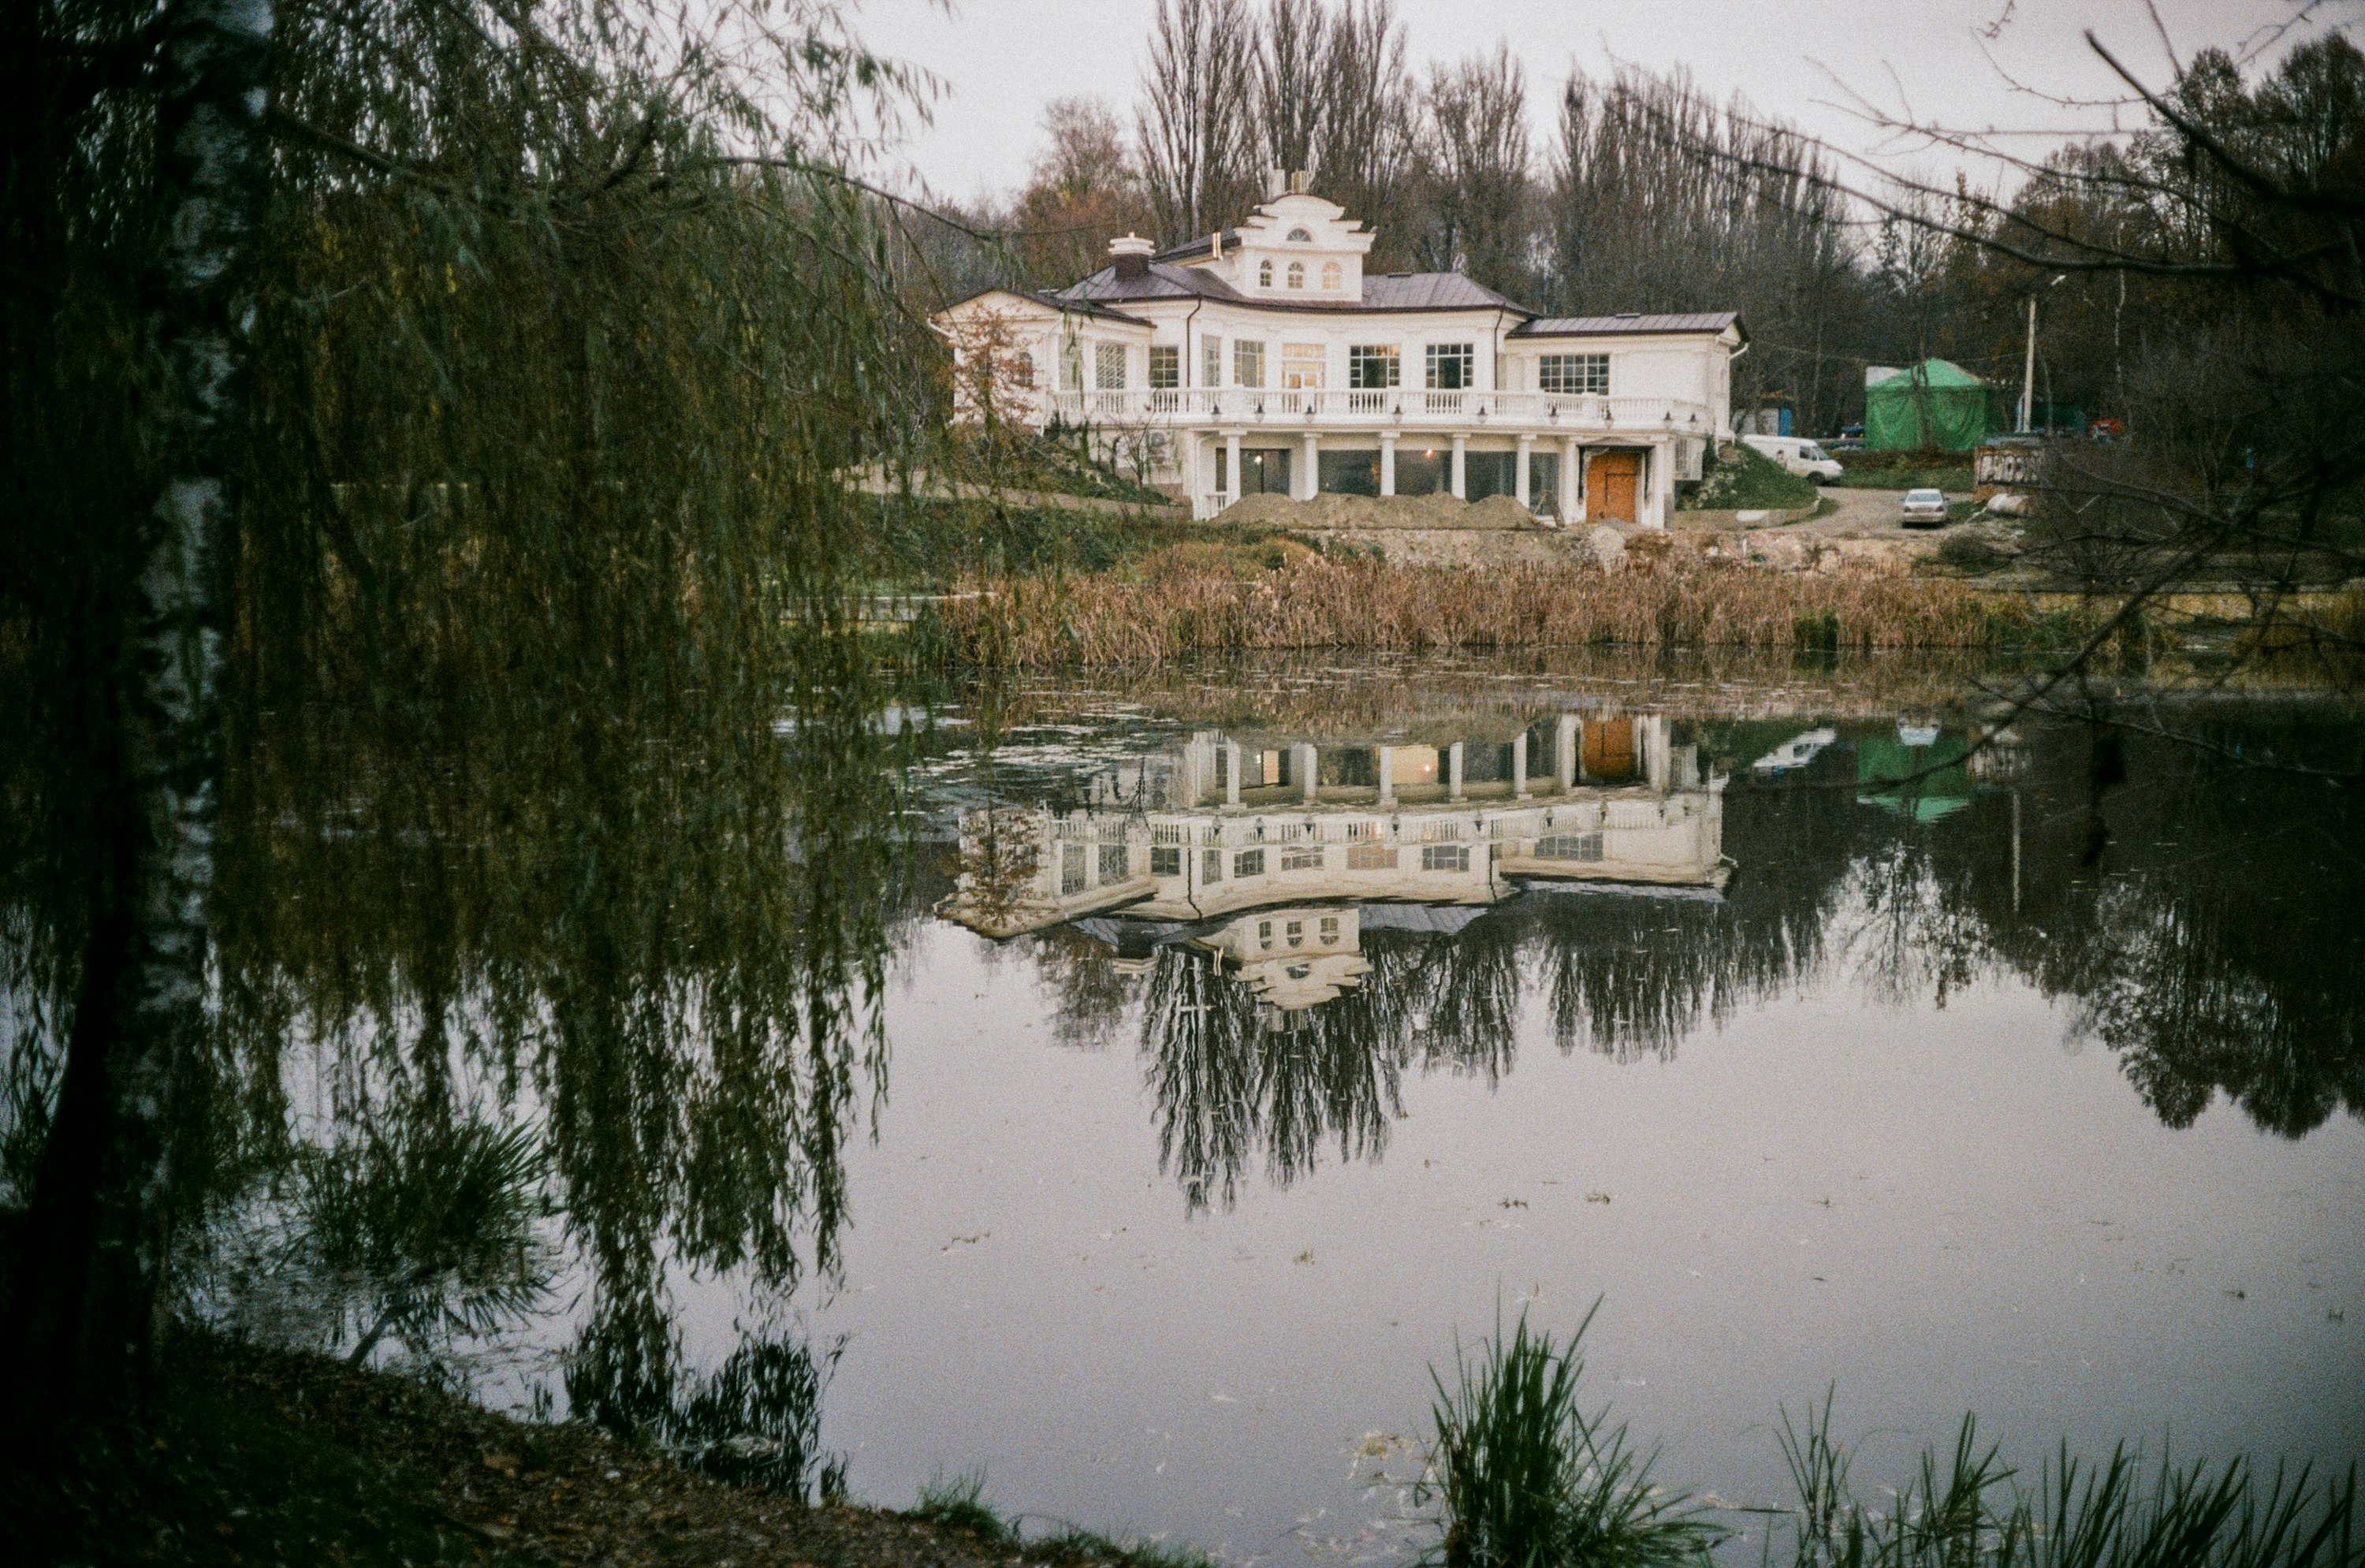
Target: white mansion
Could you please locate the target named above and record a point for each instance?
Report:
(1265, 358)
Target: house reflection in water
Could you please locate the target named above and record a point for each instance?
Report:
(1272, 855)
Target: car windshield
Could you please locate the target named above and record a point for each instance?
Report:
(1811, 453)
(1923, 495)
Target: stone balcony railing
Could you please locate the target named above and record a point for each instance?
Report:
(1344, 409)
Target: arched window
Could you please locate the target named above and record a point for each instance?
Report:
(1264, 274)
(1297, 275)
(1022, 370)
(1330, 275)
(1300, 237)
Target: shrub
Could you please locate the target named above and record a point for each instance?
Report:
(1744, 476)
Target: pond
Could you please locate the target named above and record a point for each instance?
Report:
(1132, 1090)
(1272, 1039)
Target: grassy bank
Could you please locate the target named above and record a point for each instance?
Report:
(1931, 469)
(266, 1457)
(1177, 608)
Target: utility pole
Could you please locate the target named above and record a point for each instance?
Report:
(2028, 374)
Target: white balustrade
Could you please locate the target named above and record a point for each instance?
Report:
(1362, 408)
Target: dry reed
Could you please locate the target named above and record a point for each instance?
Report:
(1320, 603)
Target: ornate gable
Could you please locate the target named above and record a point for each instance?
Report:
(1300, 247)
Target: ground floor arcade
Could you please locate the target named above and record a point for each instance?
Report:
(1563, 479)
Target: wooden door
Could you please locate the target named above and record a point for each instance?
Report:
(1611, 482)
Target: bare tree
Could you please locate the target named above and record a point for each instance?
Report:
(1363, 158)
(1661, 199)
(1291, 104)
(1196, 124)
(1477, 204)
(1086, 191)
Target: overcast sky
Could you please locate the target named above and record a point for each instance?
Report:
(1000, 60)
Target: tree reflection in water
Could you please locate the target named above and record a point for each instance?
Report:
(2201, 943)
(506, 992)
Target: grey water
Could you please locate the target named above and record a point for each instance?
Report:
(1239, 1039)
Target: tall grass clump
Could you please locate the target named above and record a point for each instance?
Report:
(1522, 1477)
(1971, 1510)
(959, 1502)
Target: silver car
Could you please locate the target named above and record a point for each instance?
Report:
(1923, 509)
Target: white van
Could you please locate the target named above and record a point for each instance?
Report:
(1798, 454)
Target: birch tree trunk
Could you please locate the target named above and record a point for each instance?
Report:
(92, 1290)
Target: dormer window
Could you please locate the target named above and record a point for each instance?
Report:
(1330, 276)
(1297, 275)
(1264, 274)
(1300, 237)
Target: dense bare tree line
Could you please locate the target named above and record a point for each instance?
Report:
(1617, 210)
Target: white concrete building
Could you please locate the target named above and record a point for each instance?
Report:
(1264, 359)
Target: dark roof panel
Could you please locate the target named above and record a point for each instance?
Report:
(1194, 250)
(1433, 291)
(1158, 280)
(1382, 291)
(1630, 322)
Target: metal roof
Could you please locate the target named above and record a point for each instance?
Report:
(1629, 322)
(1382, 291)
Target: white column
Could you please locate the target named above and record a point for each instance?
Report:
(1232, 776)
(1232, 461)
(1662, 491)
(1387, 463)
(1572, 509)
(1306, 772)
(1460, 483)
(1193, 476)
(1520, 766)
(1387, 775)
(1311, 484)
(1519, 479)
(1565, 753)
(1453, 771)
(1655, 757)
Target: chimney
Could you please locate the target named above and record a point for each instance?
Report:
(1276, 182)
(1132, 252)
(1299, 181)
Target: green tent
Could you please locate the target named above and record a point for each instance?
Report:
(1930, 404)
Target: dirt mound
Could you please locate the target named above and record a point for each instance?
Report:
(1433, 511)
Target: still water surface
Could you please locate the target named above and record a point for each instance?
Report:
(2030, 1089)
(1238, 1039)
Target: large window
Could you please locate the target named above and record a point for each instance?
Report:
(1264, 471)
(1165, 367)
(1374, 366)
(1543, 481)
(1445, 857)
(1297, 275)
(1301, 365)
(1573, 373)
(1247, 364)
(1485, 474)
(1351, 473)
(1451, 366)
(1332, 278)
(1264, 274)
(1108, 367)
(1211, 360)
(1422, 470)
(1071, 366)
(1113, 858)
